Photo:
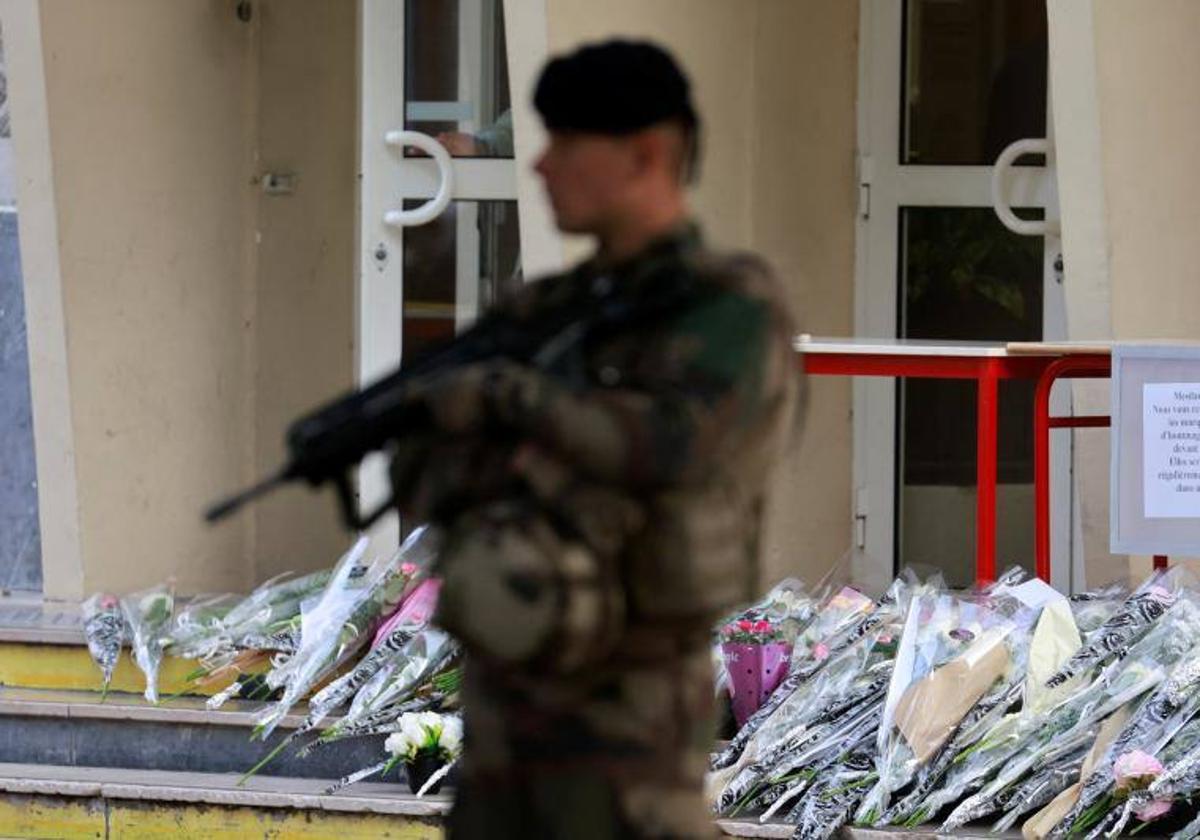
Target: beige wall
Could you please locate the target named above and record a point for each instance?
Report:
(304, 312)
(1149, 123)
(201, 315)
(803, 214)
(776, 83)
(148, 131)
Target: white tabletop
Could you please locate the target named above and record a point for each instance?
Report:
(945, 349)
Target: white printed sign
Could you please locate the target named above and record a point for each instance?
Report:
(1155, 501)
(1171, 449)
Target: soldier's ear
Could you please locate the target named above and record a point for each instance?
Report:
(649, 151)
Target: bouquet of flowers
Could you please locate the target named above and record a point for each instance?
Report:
(842, 621)
(105, 631)
(148, 614)
(428, 744)
(338, 625)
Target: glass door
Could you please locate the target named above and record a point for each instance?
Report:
(439, 229)
(947, 87)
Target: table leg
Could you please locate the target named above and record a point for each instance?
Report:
(1041, 474)
(987, 405)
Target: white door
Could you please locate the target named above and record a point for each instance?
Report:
(439, 228)
(945, 87)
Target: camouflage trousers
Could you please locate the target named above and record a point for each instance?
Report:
(576, 805)
(618, 753)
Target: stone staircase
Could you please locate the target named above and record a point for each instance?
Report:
(75, 767)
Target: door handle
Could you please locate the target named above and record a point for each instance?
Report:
(434, 207)
(1004, 162)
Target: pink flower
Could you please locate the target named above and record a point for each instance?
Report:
(745, 626)
(820, 652)
(762, 627)
(1153, 809)
(408, 569)
(1135, 769)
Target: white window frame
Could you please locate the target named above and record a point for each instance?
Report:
(886, 186)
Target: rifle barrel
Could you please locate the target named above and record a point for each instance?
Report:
(227, 506)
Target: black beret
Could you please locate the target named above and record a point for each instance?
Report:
(614, 87)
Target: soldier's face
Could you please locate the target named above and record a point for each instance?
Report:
(588, 178)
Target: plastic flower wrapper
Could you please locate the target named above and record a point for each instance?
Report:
(797, 760)
(1141, 609)
(1179, 779)
(839, 678)
(952, 651)
(819, 714)
(1039, 825)
(1096, 606)
(1175, 702)
(391, 640)
(276, 601)
(1035, 739)
(148, 615)
(831, 801)
(198, 630)
(842, 611)
(1056, 707)
(1039, 788)
(1032, 657)
(336, 626)
(788, 606)
(378, 703)
(390, 645)
(105, 631)
(845, 628)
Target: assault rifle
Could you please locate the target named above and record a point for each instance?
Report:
(327, 444)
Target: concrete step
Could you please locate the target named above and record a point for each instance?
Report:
(77, 802)
(73, 728)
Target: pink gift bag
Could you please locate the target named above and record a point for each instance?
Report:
(755, 670)
(417, 608)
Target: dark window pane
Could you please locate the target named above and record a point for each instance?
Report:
(455, 266)
(964, 277)
(974, 79)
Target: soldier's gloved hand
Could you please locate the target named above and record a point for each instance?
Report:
(467, 399)
(434, 477)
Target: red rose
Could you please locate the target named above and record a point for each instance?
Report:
(747, 626)
(762, 627)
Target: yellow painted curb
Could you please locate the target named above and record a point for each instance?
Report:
(45, 816)
(69, 818)
(25, 665)
(128, 820)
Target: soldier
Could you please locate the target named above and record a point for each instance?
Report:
(602, 513)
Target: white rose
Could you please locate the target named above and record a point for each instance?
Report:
(396, 744)
(452, 732)
(411, 728)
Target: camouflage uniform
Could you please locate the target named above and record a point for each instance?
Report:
(596, 530)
